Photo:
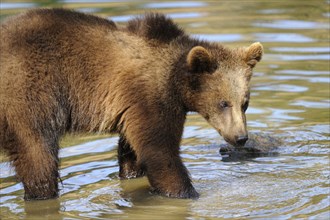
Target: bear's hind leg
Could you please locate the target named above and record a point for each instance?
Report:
(36, 165)
(128, 167)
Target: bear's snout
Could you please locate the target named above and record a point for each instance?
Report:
(241, 140)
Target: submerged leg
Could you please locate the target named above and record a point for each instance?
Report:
(128, 167)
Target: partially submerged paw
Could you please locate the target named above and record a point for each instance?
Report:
(189, 193)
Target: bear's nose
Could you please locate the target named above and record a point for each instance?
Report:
(241, 140)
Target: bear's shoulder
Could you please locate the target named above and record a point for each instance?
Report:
(155, 26)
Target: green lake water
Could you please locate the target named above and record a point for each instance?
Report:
(289, 101)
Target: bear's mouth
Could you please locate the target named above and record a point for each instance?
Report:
(233, 143)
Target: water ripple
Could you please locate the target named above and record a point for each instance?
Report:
(281, 87)
(126, 18)
(299, 57)
(312, 79)
(219, 37)
(302, 72)
(283, 37)
(91, 1)
(178, 4)
(7, 5)
(301, 49)
(292, 24)
(97, 146)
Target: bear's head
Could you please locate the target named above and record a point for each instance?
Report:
(219, 87)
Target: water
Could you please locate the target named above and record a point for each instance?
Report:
(290, 102)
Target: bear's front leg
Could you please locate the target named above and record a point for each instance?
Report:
(155, 135)
(128, 167)
(159, 157)
(168, 176)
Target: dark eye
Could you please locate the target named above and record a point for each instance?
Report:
(245, 106)
(224, 104)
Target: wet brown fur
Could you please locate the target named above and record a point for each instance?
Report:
(64, 71)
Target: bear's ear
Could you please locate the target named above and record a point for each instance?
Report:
(254, 54)
(199, 60)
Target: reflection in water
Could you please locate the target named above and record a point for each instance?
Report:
(283, 37)
(125, 18)
(185, 4)
(121, 18)
(88, 10)
(302, 50)
(309, 104)
(219, 37)
(89, 1)
(49, 209)
(289, 102)
(292, 24)
(282, 88)
(300, 57)
(303, 72)
(93, 147)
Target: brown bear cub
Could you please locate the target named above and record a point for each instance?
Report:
(64, 71)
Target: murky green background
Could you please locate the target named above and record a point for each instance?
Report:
(290, 101)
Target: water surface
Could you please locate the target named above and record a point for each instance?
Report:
(289, 101)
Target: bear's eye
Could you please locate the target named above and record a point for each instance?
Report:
(245, 106)
(224, 104)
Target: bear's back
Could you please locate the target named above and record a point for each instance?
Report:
(48, 26)
(44, 34)
(62, 17)
(42, 43)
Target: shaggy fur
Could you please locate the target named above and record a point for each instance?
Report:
(64, 71)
